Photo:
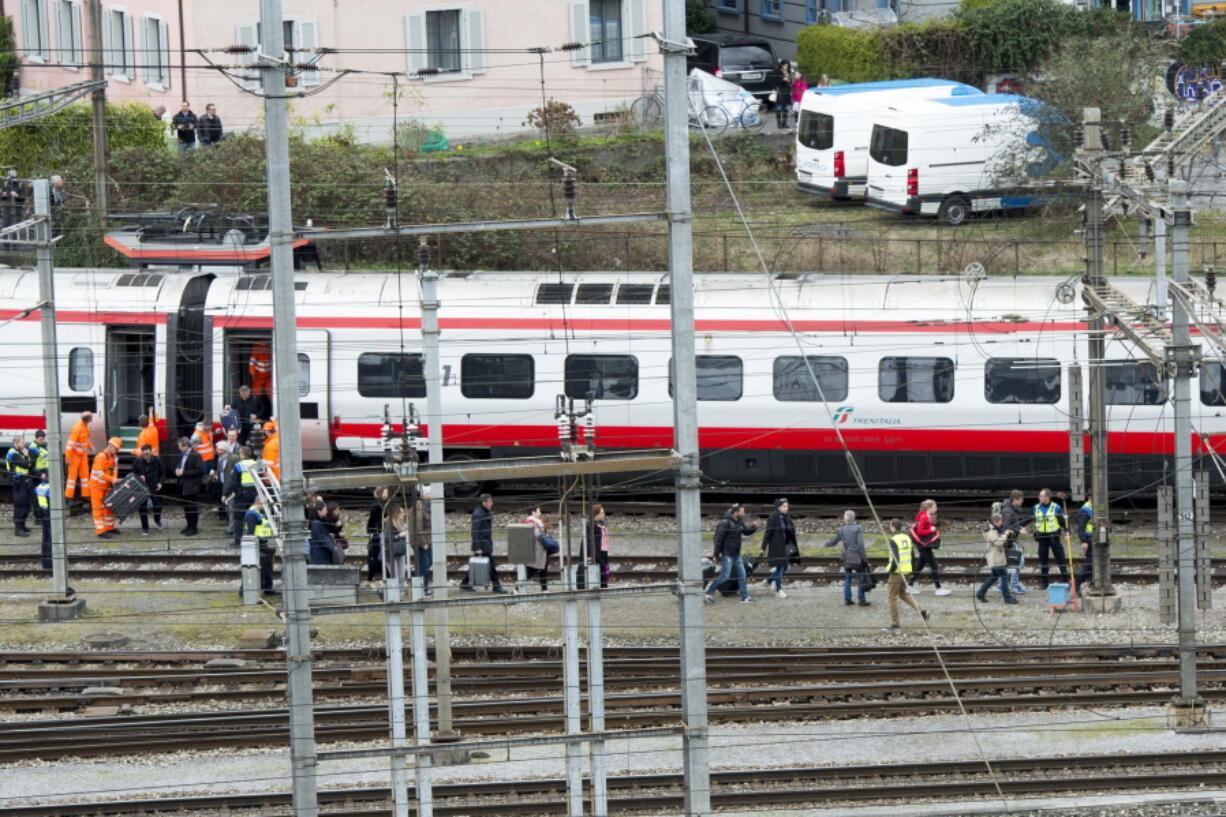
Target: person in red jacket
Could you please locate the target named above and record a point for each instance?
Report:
(927, 539)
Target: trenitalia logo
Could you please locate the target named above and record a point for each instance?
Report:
(842, 413)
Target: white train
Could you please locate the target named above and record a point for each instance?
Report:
(934, 382)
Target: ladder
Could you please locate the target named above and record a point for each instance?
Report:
(1138, 323)
(1204, 311)
(26, 109)
(23, 233)
(269, 491)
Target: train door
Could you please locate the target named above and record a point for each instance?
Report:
(189, 339)
(247, 361)
(128, 390)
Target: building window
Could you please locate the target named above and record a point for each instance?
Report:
(390, 375)
(811, 11)
(81, 369)
(299, 40)
(772, 10)
(491, 377)
(69, 45)
(719, 377)
(120, 46)
(1211, 377)
(602, 377)
(155, 48)
(605, 20)
(727, 5)
(34, 38)
(1132, 383)
(443, 40)
(915, 380)
(304, 375)
(1021, 380)
(794, 379)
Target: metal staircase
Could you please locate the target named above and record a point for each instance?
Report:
(269, 491)
(1206, 312)
(23, 233)
(26, 109)
(1137, 322)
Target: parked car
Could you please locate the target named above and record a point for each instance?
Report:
(748, 61)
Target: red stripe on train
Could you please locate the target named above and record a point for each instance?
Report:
(790, 439)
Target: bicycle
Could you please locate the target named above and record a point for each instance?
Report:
(649, 111)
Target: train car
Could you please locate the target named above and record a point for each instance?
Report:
(937, 382)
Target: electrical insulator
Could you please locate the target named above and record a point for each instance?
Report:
(1079, 134)
(568, 192)
(1123, 170)
(1168, 118)
(589, 431)
(391, 196)
(564, 429)
(423, 255)
(1210, 279)
(1170, 167)
(1106, 138)
(1126, 138)
(1149, 172)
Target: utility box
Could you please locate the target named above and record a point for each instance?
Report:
(521, 544)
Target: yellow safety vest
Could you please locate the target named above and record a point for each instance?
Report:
(40, 462)
(1046, 521)
(246, 477)
(902, 563)
(263, 530)
(43, 492)
(1090, 523)
(14, 469)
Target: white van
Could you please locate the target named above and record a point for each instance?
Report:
(835, 125)
(943, 158)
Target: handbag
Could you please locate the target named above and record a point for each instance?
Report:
(774, 97)
(932, 544)
(793, 553)
(867, 580)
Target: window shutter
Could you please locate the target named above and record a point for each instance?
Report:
(415, 41)
(164, 42)
(108, 59)
(147, 51)
(473, 42)
(78, 42)
(580, 32)
(129, 43)
(636, 26)
(61, 26)
(245, 35)
(306, 38)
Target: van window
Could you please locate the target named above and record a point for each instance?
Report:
(746, 55)
(816, 130)
(888, 146)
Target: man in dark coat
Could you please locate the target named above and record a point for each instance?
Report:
(483, 540)
(190, 471)
(779, 545)
(728, 534)
(246, 406)
(148, 468)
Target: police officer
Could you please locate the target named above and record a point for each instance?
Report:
(1048, 527)
(1084, 526)
(39, 451)
(19, 463)
(255, 523)
(42, 512)
(239, 491)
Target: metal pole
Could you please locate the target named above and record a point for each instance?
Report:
(1100, 585)
(1160, 296)
(438, 511)
(1182, 358)
(574, 721)
(595, 695)
(98, 103)
(51, 391)
(285, 358)
(696, 761)
(421, 704)
(395, 697)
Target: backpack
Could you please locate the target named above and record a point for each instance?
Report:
(997, 506)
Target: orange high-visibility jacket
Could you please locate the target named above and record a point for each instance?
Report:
(259, 367)
(202, 441)
(148, 437)
(77, 446)
(104, 473)
(271, 454)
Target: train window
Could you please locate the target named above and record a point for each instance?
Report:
(1134, 383)
(1021, 380)
(554, 293)
(635, 293)
(488, 377)
(81, 369)
(663, 293)
(605, 377)
(594, 294)
(793, 381)
(915, 380)
(304, 375)
(1211, 376)
(719, 377)
(390, 375)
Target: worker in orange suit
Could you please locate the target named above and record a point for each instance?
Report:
(76, 457)
(148, 435)
(271, 455)
(102, 479)
(202, 443)
(259, 369)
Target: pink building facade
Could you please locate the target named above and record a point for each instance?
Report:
(467, 67)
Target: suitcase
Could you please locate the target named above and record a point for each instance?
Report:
(126, 497)
(479, 571)
(729, 587)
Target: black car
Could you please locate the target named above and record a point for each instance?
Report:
(748, 61)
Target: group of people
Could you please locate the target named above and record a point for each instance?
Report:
(790, 90)
(191, 129)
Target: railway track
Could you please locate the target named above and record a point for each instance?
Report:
(221, 567)
(749, 686)
(752, 789)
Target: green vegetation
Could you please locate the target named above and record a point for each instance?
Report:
(61, 140)
(8, 57)
(699, 17)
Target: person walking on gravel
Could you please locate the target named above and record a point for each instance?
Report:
(998, 540)
(855, 560)
(899, 569)
(927, 539)
(728, 536)
(779, 544)
(1013, 519)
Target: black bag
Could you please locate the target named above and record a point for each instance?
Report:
(128, 495)
(398, 546)
(933, 543)
(728, 588)
(793, 551)
(867, 580)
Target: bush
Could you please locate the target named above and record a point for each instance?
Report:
(55, 142)
(554, 118)
(699, 18)
(1204, 45)
(8, 58)
(848, 54)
